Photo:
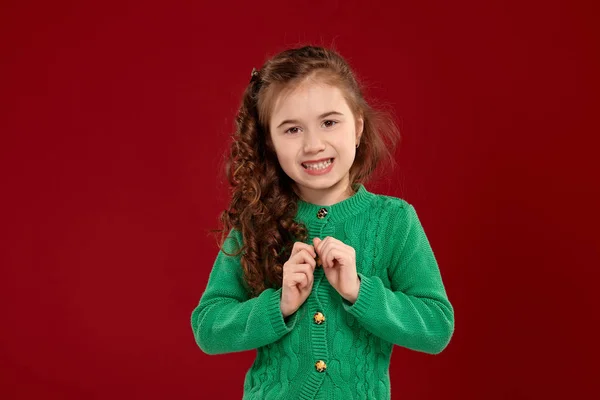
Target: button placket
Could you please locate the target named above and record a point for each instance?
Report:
(323, 217)
(318, 329)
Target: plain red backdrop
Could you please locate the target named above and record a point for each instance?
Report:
(113, 119)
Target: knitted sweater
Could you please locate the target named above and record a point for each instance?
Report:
(344, 352)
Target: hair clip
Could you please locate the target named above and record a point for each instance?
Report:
(253, 74)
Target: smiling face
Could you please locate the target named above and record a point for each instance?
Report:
(315, 133)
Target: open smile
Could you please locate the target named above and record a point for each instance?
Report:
(318, 168)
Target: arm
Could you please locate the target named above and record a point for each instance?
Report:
(415, 313)
(225, 320)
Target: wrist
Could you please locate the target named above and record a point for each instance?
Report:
(283, 312)
(353, 296)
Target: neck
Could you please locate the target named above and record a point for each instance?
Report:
(327, 197)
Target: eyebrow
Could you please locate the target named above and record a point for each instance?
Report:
(327, 114)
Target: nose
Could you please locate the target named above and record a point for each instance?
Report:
(313, 143)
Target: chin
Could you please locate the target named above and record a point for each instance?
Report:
(325, 183)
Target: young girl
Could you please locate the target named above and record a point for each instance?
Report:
(318, 274)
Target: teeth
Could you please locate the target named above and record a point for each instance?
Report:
(318, 166)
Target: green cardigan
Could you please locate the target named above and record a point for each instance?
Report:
(402, 301)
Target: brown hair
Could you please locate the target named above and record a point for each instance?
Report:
(263, 204)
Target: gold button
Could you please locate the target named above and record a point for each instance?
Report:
(319, 318)
(318, 260)
(322, 213)
(320, 366)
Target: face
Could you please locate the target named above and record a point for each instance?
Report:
(315, 134)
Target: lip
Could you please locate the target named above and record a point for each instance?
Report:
(322, 171)
(316, 161)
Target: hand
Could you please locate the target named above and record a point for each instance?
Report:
(339, 265)
(297, 278)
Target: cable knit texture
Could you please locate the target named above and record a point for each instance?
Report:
(401, 301)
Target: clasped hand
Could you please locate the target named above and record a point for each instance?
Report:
(339, 265)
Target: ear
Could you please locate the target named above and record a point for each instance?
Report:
(360, 125)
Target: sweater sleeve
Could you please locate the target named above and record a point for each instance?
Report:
(415, 313)
(226, 320)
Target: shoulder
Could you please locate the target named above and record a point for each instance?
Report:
(392, 206)
(233, 242)
(396, 215)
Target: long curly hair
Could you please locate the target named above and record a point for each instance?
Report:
(263, 203)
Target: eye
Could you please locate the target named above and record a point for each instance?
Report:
(329, 123)
(292, 130)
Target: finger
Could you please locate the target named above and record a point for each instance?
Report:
(316, 243)
(300, 246)
(307, 271)
(328, 241)
(335, 254)
(306, 268)
(299, 257)
(298, 279)
(332, 244)
(323, 243)
(303, 256)
(326, 247)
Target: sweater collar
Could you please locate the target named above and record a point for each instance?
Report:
(309, 212)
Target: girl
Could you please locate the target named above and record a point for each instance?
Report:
(318, 274)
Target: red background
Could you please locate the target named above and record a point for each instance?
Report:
(113, 118)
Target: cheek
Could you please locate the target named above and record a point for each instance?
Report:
(345, 145)
(284, 157)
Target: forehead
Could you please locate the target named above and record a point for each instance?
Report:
(308, 100)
